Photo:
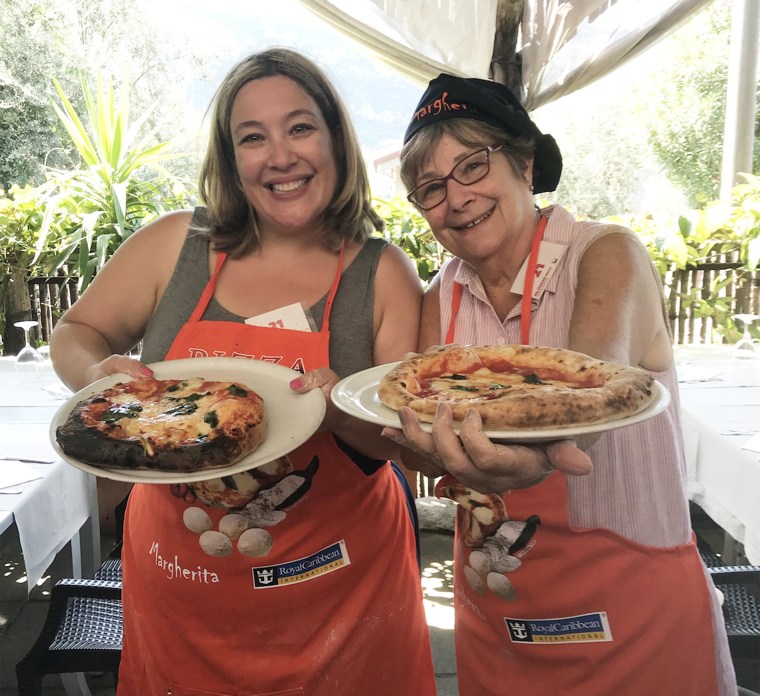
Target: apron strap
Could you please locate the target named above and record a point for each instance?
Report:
(333, 292)
(530, 272)
(456, 299)
(208, 291)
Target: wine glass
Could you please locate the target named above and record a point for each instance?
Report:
(28, 354)
(746, 346)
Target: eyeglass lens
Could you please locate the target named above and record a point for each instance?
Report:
(469, 171)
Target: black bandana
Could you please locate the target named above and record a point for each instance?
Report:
(448, 96)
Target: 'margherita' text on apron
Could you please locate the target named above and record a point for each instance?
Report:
(174, 569)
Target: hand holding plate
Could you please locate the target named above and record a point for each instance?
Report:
(323, 379)
(418, 448)
(117, 364)
(476, 461)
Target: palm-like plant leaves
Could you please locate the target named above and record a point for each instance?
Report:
(109, 196)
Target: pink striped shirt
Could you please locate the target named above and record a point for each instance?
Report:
(638, 486)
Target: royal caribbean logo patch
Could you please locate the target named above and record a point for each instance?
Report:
(586, 628)
(320, 563)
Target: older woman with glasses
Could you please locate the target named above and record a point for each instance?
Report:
(593, 584)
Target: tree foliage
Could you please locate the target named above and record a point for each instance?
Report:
(686, 105)
(34, 48)
(407, 229)
(75, 40)
(650, 134)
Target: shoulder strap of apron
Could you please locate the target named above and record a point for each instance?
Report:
(208, 291)
(527, 298)
(333, 292)
(456, 299)
(530, 273)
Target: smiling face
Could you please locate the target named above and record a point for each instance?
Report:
(490, 216)
(284, 155)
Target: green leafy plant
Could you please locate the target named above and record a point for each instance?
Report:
(21, 256)
(719, 235)
(742, 218)
(118, 186)
(407, 229)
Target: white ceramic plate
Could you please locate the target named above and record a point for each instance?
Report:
(291, 418)
(357, 396)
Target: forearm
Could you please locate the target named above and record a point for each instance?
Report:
(364, 437)
(75, 350)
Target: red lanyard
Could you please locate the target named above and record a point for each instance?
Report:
(530, 274)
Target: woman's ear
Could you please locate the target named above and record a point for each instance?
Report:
(528, 172)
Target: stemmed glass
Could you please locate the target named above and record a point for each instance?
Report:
(28, 354)
(746, 346)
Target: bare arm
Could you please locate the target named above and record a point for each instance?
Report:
(396, 319)
(430, 333)
(618, 313)
(398, 296)
(111, 315)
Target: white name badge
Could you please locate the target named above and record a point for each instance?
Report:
(549, 255)
(288, 317)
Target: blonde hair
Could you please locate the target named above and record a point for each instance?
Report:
(232, 224)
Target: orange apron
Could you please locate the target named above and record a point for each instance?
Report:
(334, 607)
(573, 611)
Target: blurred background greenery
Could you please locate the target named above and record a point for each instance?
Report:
(101, 113)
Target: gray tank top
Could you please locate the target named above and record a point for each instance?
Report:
(351, 318)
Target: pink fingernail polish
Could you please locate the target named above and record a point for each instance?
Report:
(297, 383)
(145, 370)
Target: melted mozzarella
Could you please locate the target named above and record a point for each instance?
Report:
(482, 382)
(158, 422)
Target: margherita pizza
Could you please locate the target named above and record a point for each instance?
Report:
(517, 387)
(168, 425)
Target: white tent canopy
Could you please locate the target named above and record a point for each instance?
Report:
(563, 45)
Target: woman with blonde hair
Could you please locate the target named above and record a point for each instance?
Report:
(330, 601)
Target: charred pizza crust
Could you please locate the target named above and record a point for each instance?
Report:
(167, 425)
(517, 387)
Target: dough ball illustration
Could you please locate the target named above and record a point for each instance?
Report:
(474, 580)
(255, 542)
(216, 543)
(233, 525)
(480, 563)
(196, 520)
(493, 557)
(500, 585)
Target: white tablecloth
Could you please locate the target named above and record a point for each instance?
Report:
(48, 512)
(720, 401)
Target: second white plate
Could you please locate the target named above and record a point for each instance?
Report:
(357, 396)
(291, 418)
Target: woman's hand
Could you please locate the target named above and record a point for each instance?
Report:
(115, 364)
(476, 461)
(183, 491)
(323, 379)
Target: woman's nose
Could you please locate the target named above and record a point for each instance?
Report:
(281, 154)
(458, 195)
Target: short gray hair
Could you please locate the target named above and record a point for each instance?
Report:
(469, 132)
